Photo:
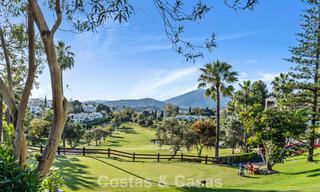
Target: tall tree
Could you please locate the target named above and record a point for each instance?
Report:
(275, 129)
(65, 58)
(17, 99)
(217, 77)
(65, 61)
(306, 56)
(233, 132)
(174, 133)
(73, 133)
(244, 99)
(260, 91)
(203, 132)
(282, 89)
(171, 110)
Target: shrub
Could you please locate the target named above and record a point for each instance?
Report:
(14, 177)
(237, 158)
(52, 182)
(148, 122)
(141, 122)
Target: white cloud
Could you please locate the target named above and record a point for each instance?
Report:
(264, 76)
(143, 48)
(238, 35)
(268, 77)
(163, 84)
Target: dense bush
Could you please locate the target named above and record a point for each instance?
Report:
(237, 158)
(52, 182)
(15, 178)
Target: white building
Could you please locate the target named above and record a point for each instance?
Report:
(37, 106)
(35, 102)
(190, 117)
(35, 109)
(89, 108)
(271, 102)
(82, 117)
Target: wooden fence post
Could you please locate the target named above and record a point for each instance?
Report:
(158, 157)
(133, 156)
(41, 149)
(84, 151)
(108, 152)
(58, 150)
(206, 159)
(181, 156)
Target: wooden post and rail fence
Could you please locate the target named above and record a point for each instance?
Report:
(145, 156)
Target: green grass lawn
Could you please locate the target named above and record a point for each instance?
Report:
(134, 138)
(83, 173)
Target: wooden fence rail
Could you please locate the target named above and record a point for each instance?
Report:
(132, 156)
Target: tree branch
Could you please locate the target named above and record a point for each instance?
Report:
(38, 17)
(59, 17)
(8, 98)
(20, 146)
(7, 60)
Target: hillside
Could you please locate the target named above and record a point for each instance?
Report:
(195, 98)
(138, 104)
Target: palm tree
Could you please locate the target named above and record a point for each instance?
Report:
(65, 58)
(65, 61)
(216, 78)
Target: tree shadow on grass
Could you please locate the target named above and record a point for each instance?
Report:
(250, 177)
(124, 160)
(127, 130)
(130, 173)
(114, 141)
(202, 189)
(313, 172)
(116, 137)
(74, 174)
(314, 175)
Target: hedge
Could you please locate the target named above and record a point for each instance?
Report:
(237, 158)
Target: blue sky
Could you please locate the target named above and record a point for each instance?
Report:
(136, 60)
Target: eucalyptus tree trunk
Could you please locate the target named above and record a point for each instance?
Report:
(18, 112)
(7, 61)
(60, 103)
(20, 143)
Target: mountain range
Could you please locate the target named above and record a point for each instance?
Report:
(192, 99)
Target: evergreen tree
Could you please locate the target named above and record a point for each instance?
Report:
(45, 102)
(306, 56)
(260, 91)
(155, 114)
(282, 90)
